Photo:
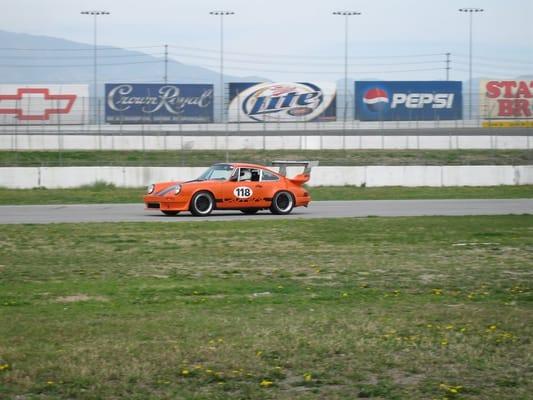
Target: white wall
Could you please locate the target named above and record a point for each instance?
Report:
(372, 176)
(162, 142)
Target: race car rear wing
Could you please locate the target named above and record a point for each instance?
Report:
(300, 178)
(284, 164)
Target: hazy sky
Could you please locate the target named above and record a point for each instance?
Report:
(301, 39)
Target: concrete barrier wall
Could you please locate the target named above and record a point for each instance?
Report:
(163, 142)
(371, 176)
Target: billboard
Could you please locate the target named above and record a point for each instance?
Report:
(150, 103)
(44, 104)
(408, 100)
(282, 102)
(506, 99)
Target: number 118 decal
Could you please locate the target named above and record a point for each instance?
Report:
(243, 192)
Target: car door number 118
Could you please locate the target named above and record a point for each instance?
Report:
(242, 192)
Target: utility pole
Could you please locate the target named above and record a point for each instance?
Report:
(165, 77)
(448, 66)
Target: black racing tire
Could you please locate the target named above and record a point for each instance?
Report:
(282, 203)
(169, 212)
(249, 211)
(202, 203)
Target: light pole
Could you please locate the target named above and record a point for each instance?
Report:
(95, 14)
(346, 14)
(221, 14)
(470, 11)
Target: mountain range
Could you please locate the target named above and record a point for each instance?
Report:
(41, 59)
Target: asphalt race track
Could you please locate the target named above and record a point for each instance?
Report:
(318, 209)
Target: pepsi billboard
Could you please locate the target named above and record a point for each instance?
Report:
(282, 102)
(148, 103)
(408, 100)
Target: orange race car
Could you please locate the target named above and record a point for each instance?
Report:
(234, 186)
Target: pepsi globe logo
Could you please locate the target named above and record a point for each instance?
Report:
(376, 100)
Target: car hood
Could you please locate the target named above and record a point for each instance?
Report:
(170, 187)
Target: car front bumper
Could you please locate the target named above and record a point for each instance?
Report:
(166, 203)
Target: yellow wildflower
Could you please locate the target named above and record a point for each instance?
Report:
(308, 377)
(266, 383)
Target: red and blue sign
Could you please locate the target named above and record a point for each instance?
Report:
(408, 100)
(282, 102)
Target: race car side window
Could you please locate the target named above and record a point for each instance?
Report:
(245, 174)
(269, 176)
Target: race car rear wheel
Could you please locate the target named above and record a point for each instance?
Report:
(249, 211)
(282, 203)
(202, 204)
(168, 212)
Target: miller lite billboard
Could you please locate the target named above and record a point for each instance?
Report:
(506, 99)
(408, 100)
(146, 103)
(282, 102)
(44, 104)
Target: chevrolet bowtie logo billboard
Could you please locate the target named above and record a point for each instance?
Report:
(54, 104)
(44, 104)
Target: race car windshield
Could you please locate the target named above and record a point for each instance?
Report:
(217, 173)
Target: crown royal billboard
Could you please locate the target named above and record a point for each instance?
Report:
(282, 102)
(408, 100)
(147, 103)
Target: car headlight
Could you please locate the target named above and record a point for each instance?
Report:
(178, 190)
(151, 189)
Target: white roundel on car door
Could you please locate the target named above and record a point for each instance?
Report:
(243, 192)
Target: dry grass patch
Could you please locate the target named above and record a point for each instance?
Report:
(79, 297)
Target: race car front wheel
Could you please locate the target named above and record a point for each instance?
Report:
(202, 204)
(282, 203)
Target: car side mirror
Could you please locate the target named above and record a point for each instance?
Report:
(233, 179)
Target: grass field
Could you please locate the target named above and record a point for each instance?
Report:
(104, 193)
(204, 158)
(395, 308)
